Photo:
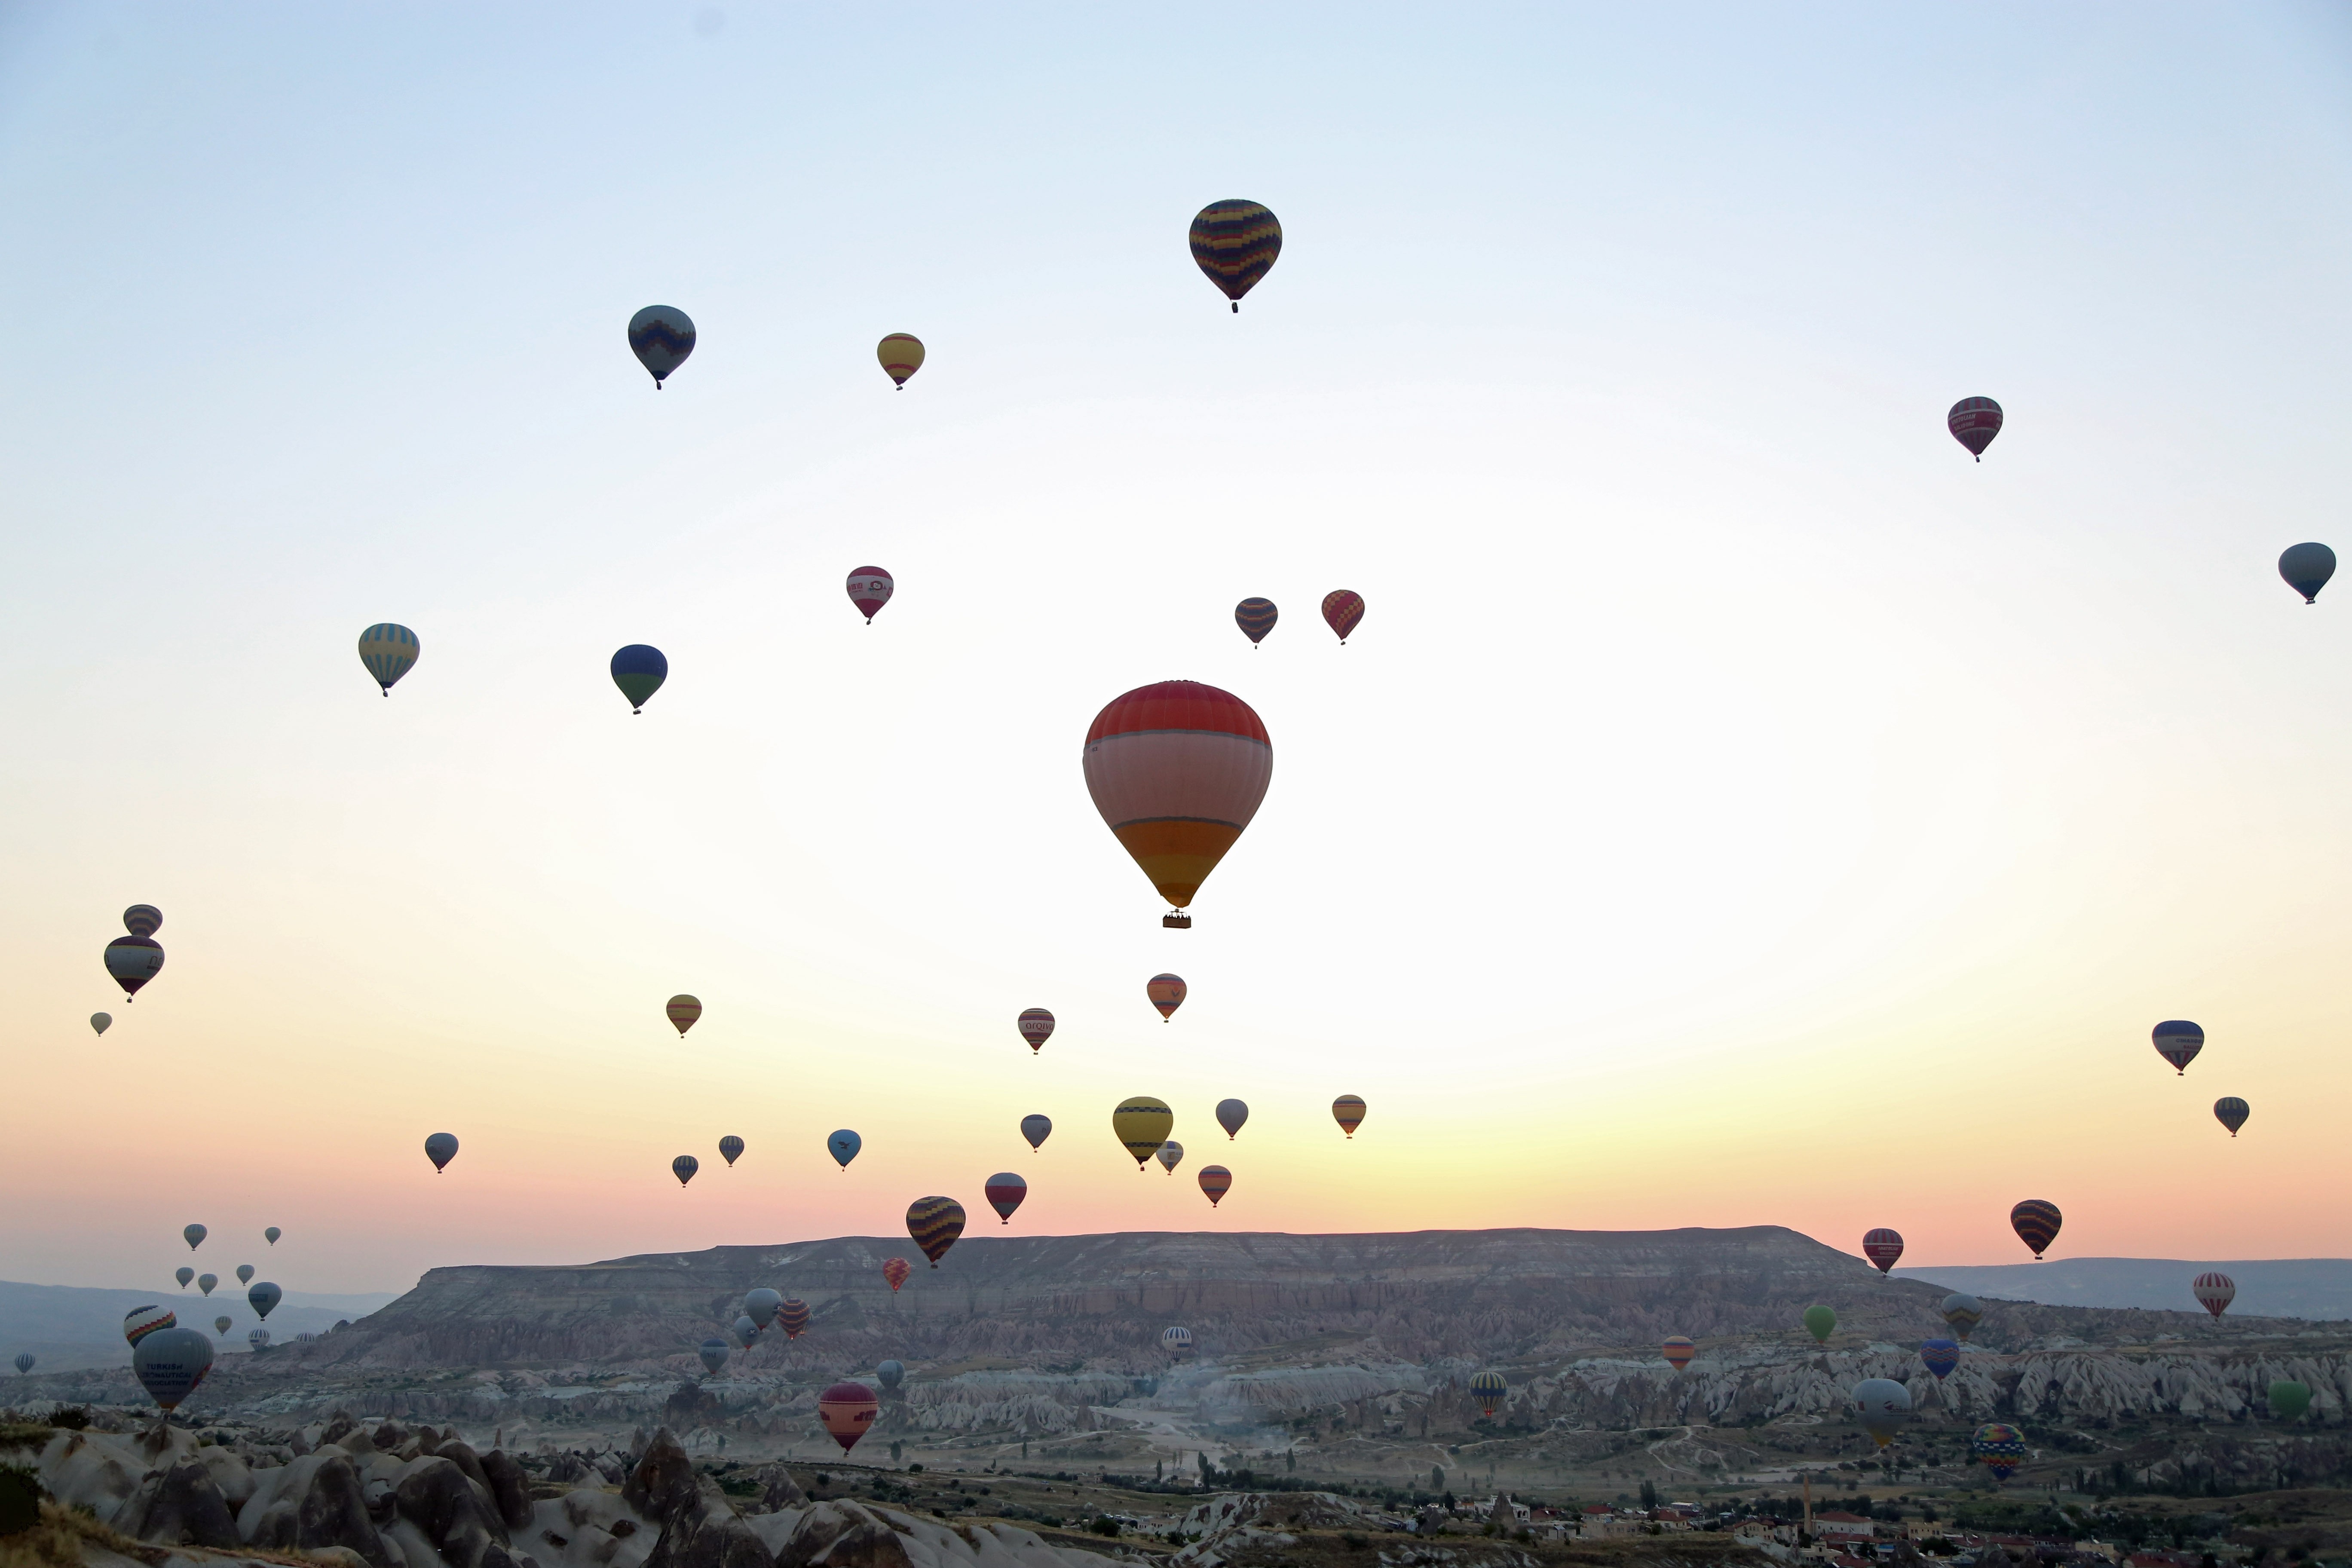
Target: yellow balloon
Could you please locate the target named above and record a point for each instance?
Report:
(901, 355)
(1142, 1125)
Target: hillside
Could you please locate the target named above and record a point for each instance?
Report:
(69, 1326)
(2316, 1288)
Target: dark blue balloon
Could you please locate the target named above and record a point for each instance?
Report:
(844, 1145)
(1940, 1356)
(2308, 568)
(639, 670)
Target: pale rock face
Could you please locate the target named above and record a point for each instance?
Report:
(837, 1534)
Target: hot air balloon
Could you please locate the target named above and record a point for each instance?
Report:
(1255, 617)
(1974, 422)
(792, 1317)
(1231, 1114)
(746, 1330)
(1036, 1026)
(890, 1373)
(142, 920)
(682, 1011)
(896, 1270)
(259, 1339)
(2036, 1223)
(714, 1354)
(1176, 1341)
(1882, 1247)
(1004, 1192)
(1341, 610)
(2290, 1399)
(661, 336)
(244, 1273)
(272, 1234)
(221, 1326)
(1939, 1356)
(2178, 1042)
(1035, 1129)
(760, 1305)
(1216, 1181)
(1881, 1406)
(1679, 1351)
(1166, 993)
(441, 1148)
(24, 1362)
(184, 1274)
(2214, 1292)
(2308, 568)
(935, 1223)
(847, 1410)
(388, 650)
(141, 1322)
(262, 1296)
(1177, 771)
(1170, 1154)
(193, 1235)
(730, 1148)
(135, 959)
(1235, 243)
(1821, 1322)
(1141, 1124)
(842, 1145)
(2230, 1112)
(901, 355)
(2000, 1448)
(1963, 1312)
(1348, 1111)
(1490, 1390)
(684, 1167)
(102, 1021)
(204, 1282)
(639, 670)
(170, 1362)
(870, 588)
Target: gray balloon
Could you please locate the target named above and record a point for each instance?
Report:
(733, 1147)
(1035, 1127)
(272, 1234)
(746, 1330)
(102, 1021)
(2308, 568)
(1231, 1114)
(263, 1297)
(714, 1354)
(761, 1306)
(441, 1148)
(170, 1362)
(205, 1282)
(184, 1274)
(1881, 1406)
(195, 1236)
(244, 1273)
(222, 1324)
(24, 1362)
(661, 336)
(684, 1167)
(891, 1373)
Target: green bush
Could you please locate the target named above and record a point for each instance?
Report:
(1104, 1525)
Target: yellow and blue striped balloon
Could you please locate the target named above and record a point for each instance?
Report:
(388, 650)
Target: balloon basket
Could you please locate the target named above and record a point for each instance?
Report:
(1177, 921)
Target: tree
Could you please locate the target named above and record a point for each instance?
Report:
(1437, 1478)
(1649, 1494)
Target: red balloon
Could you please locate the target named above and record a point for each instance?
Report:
(895, 1271)
(1341, 611)
(1166, 993)
(1882, 1247)
(1036, 1026)
(848, 1409)
(1004, 1190)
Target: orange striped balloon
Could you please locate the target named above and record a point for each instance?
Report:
(792, 1317)
(1216, 1181)
(895, 1271)
(935, 1223)
(1679, 1351)
(1166, 993)
(1348, 1111)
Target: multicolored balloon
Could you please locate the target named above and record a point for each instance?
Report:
(263, 1297)
(1004, 1192)
(193, 1235)
(1881, 1406)
(1170, 1154)
(1883, 1247)
(639, 670)
(388, 650)
(1215, 1183)
(1999, 1447)
(870, 588)
(2178, 1041)
(843, 1145)
(891, 1373)
(1231, 1115)
(184, 1274)
(2036, 1222)
(1166, 993)
(682, 1010)
(1037, 1129)
(1235, 243)
(935, 1223)
(2214, 1292)
(792, 1317)
(2232, 1112)
(1177, 771)
(1679, 1351)
(684, 1167)
(661, 336)
(1342, 609)
(170, 1363)
(714, 1354)
(896, 1270)
(1036, 1026)
(901, 355)
(730, 1148)
(2308, 568)
(1974, 422)
(1939, 1356)
(1821, 1322)
(1176, 1341)
(761, 1306)
(845, 1410)
(1491, 1390)
(102, 1021)
(141, 1322)
(1141, 1124)
(1963, 1312)
(2289, 1399)
(1349, 1111)
(1255, 617)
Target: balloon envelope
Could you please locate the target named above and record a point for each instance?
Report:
(24, 1362)
(133, 961)
(1216, 1181)
(2290, 1399)
(901, 355)
(746, 1330)
(184, 1274)
(684, 1167)
(1255, 617)
(2232, 1112)
(259, 1339)
(845, 1410)
(870, 588)
(244, 1273)
(204, 1282)
(682, 1011)
(141, 1322)
(1231, 1115)
(1679, 1351)
(760, 1305)
(170, 1362)
(1821, 1322)
(2178, 1041)
(1963, 1312)
(272, 1234)
(1004, 1192)
(388, 650)
(2308, 568)
(1037, 1129)
(1234, 244)
(1176, 1341)
(142, 920)
(1349, 1111)
(639, 670)
(1939, 1356)
(102, 1021)
(713, 1353)
(221, 1325)
(1141, 1124)
(1177, 771)
(792, 1317)
(1999, 1447)
(842, 1145)
(441, 1148)
(1171, 1155)
(2214, 1292)
(896, 1270)
(730, 1148)
(261, 1296)
(1490, 1389)
(1343, 609)
(1036, 1026)
(2036, 1222)
(1883, 1247)
(935, 1223)
(890, 1373)
(1881, 1406)
(661, 336)
(1166, 993)
(193, 1236)
(1974, 422)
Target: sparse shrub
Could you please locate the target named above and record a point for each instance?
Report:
(70, 1417)
(1353, 1541)
(1104, 1525)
